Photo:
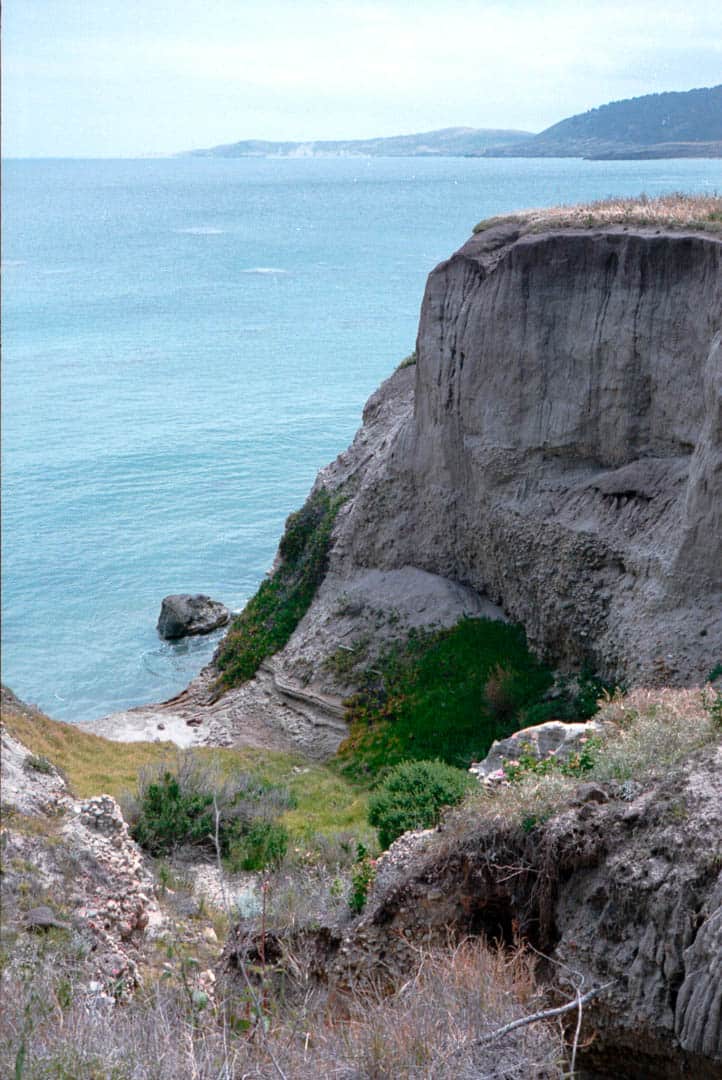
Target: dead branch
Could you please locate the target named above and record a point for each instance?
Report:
(545, 1014)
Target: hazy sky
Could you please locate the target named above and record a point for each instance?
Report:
(125, 77)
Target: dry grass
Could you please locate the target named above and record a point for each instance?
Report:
(653, 730)
(431, 1027)
(428, 1030)
(675, 211)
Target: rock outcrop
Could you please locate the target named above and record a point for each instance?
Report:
(182, 615)
(623, 885)
(564, 452)
(78, 857)
(555, 739)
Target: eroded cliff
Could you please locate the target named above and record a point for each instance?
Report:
(563, 456)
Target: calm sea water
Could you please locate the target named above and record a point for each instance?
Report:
(185, 343)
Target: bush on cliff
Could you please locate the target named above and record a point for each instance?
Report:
(444, 694)
(270, 617)
(177, 805)
(413, 795)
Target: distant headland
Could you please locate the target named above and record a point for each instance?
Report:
(669, 125)
(448, 142)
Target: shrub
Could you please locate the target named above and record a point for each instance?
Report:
(413, 795)
(38, 763)
(270, 617)
(574, 697)
(170, 817)
(177, 806)
(499, 696)
(264, 843)
(363, 876)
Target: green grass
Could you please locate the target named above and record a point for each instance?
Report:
(270, 617)
(408, 361)
(446, 694)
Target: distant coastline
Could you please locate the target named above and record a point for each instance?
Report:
(685, 124)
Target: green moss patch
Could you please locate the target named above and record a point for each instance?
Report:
(446, 694)
(270, 617)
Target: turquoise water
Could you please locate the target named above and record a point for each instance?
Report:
(185, 343)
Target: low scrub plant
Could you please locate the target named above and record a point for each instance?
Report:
(435, 1024)
(38, 763)
(189, 803)
(573, 697)
(653, 729)
(413, 795)
(270, 617)
(577, 764)
(408, 361)
(443, 694)
(646, 732)
(363, 875)
(260, 844)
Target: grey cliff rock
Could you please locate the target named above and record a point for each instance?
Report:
(553, 739)
(563, 453)
(79, 852)
(183, 614)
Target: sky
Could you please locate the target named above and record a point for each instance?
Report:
(124, 78)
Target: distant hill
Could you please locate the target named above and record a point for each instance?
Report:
(448, 142)
(684, 124)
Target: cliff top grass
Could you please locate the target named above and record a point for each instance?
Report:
(325, 802)
(674, 212)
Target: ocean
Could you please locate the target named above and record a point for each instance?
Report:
(186, 342)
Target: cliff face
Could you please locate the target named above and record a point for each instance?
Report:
(564, 452)
(554, 457)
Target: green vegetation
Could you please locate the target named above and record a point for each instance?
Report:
(170, 817)
(270, 617)
(576, 697)
(363, 876)
(39, 764)
(345, 660)
(684, 123)
(193, 804)
(413, 795)
(647, 733)
(444, 694)
(408, 361)
(264, 843)
(575, 765)
(323, 801)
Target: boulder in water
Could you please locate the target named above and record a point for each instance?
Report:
(183, 614)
